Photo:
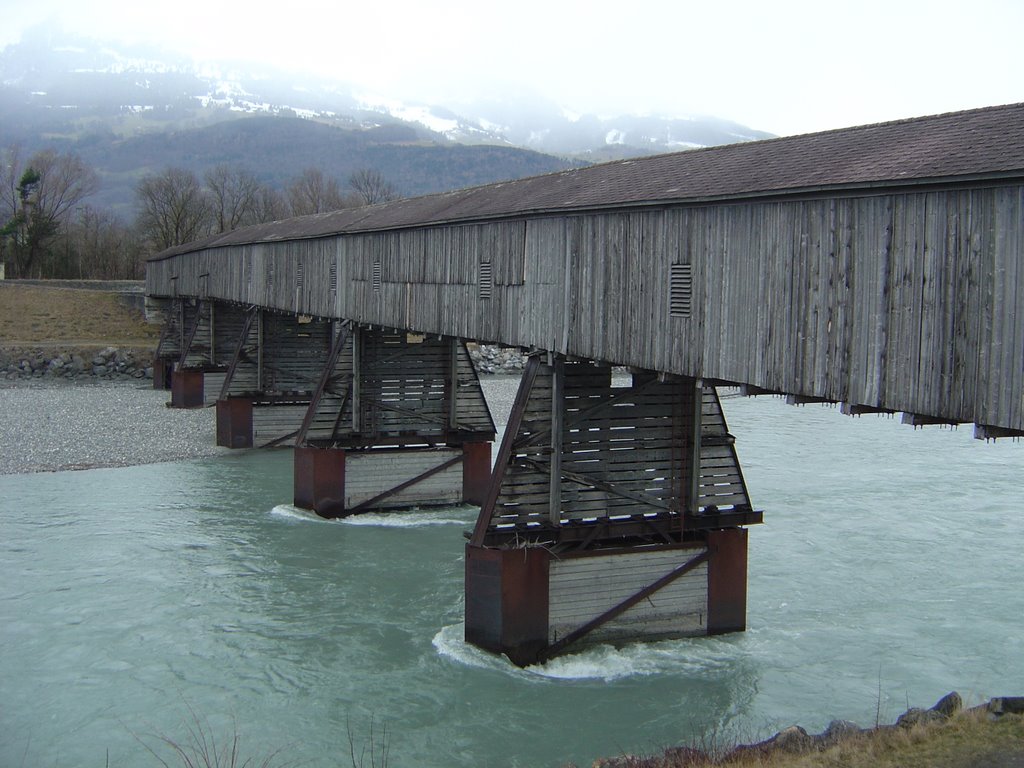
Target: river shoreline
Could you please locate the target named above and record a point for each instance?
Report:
(52, 425)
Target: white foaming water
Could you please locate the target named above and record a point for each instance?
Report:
(598, 662)
(415, 518)
(291, 512)
(412, 518)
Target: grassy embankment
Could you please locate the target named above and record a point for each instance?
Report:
(34, 316)
(968, 740)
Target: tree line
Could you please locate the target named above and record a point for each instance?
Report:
(49, 230)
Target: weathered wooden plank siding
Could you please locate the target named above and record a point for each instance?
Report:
(906, 301)
(366, 473)
(582, 588)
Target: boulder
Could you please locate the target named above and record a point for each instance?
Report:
(837, 731)
(1004, 705)
(949, 704)
(793, 740)
(917, 716)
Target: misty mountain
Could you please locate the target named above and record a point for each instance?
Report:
(276, 149)
(131, 111)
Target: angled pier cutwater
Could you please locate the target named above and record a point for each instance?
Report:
(879, 267)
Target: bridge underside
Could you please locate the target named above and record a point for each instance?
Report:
(616, 507)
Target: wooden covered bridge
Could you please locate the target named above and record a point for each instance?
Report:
(880, 267)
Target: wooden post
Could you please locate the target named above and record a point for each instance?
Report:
(357, 375)
(557, 424)
(696, 399)
(453, 384)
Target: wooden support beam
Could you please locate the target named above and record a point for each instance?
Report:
(452, 384)
(328, 372)
(694, 400)
(259, 350)
(557, 421)
(191, 337)
(357, 379)
(515, 418)
(236, 358)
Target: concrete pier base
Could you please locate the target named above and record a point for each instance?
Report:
(337, 482)
(530, 604)
(162, 369)
(234, 422)
(187, 388)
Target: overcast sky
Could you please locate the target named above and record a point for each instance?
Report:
(780, 66)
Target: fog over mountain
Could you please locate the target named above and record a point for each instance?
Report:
(129, 111)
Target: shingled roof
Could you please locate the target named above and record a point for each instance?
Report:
(954, 147)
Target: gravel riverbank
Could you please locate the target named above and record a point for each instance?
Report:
(50, 426)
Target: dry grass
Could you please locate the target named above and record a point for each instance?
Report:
(968, 740)
(36, 315)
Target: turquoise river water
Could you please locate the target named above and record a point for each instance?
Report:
(159, 600)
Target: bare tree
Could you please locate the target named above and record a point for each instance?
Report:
(312, 192)
(371, 187)
(271, 205)
(11, 169)
(173, 208)
(48, 188)
(234, 197)
(103, 247)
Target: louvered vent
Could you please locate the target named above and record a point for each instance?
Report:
(681, 290)
(376, 274)
(486, 280)
(300, 274)
(332, 276)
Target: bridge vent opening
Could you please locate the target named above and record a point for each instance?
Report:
(396, 420)
(614, 513)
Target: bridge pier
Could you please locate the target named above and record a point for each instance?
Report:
(271, 369)
(397, 420)
(615, 512)
(173, 315)
(195, 349)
